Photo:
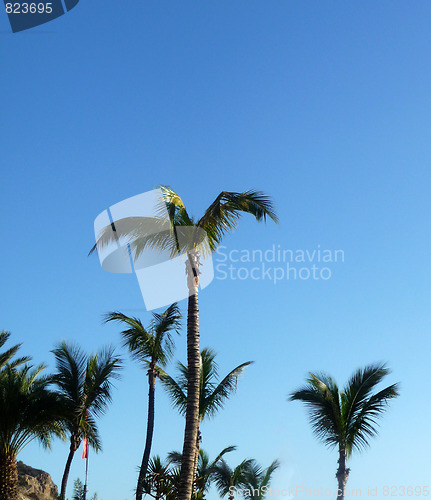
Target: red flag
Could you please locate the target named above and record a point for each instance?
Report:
(85, 449)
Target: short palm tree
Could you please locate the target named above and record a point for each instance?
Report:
(84, 383)
(7, 356)
(28, 411)
(206, 468)
(228, 480)
(212, 392)
(79, 492)
(152, 346)
(190, 238)
(162, 480)
(258, 479)
(346, 419)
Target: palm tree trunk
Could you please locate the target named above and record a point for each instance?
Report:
(193, 383)
(342, 474)
(74, 445)
(150, 429)
(198, 447)
(8, 477)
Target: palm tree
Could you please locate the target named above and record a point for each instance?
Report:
(152, 346)
(162, 480)
(228, 481)
(79, 491)
(28, 411)
(205, 468)
(6, 357)
(258, 479)
(85, 384)
(212, 394)
(346, 419)
(190, 238)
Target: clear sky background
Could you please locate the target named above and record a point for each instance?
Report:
(326, 106)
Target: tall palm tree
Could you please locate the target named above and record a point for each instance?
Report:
(84, 383)
(258, 479)
(28, 411)
(152, 346)
(346, 419)
(7, 356)
(190, 238)
(212, 393)
(228, 480)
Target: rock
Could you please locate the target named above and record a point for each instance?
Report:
(35, 484)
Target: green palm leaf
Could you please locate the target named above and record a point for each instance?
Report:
(6, 357)
(213, 394)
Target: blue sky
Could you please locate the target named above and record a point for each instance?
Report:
(326, 107)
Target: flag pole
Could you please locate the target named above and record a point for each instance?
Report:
(85, 455)
(86, 477)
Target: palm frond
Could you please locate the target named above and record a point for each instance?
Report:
(364, 425)
(102, 369)
(175, 457)
(71, 364)
(268, 472)
(359, 387)
(130, 229)
(177, 391)
(225, 477)
(7, 356)
(214, 398)
(321, 397)
(228, 449)
(223, 214)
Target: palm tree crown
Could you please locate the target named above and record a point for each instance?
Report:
(152, 345)
(85, 384)
(346, 418)
(213, 393)
(227, 479)
(259, 478)
(28, 409)
(174, 234)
